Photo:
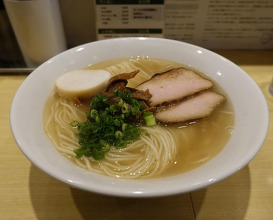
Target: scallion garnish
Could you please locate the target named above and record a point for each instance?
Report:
(110, 124)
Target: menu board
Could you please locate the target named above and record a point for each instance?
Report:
(214, 24)
(122, 18)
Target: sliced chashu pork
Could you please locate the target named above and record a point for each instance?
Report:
(196, 107)
(174, 85)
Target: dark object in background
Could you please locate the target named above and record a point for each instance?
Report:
(10, 54)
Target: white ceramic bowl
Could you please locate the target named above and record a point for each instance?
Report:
(251, 116)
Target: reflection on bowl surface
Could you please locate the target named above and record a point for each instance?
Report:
(245, 128)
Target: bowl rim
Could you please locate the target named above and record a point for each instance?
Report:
(127, 193)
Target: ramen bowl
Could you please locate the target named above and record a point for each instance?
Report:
(250, 107)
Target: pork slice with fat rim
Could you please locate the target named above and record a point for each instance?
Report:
(173, 85)
(196, 107)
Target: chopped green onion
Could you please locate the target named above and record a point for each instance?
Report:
(124, 108)
(93, 113)
(74, 123)
(113, 108)
(97, 154)
(147, 113)
(121, 144)
(117, 122)
(108, 120)
(81, 151)
(124, 126)
(106, 148)
(134, 110)
(97, 119)
(118, 134)
(149, 119)
(120, 103)
(141, 107)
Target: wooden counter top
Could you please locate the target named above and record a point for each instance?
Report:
(28, 193)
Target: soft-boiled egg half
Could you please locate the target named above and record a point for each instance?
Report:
(82, 83)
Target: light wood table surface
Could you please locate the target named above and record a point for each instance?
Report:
(28, 193)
